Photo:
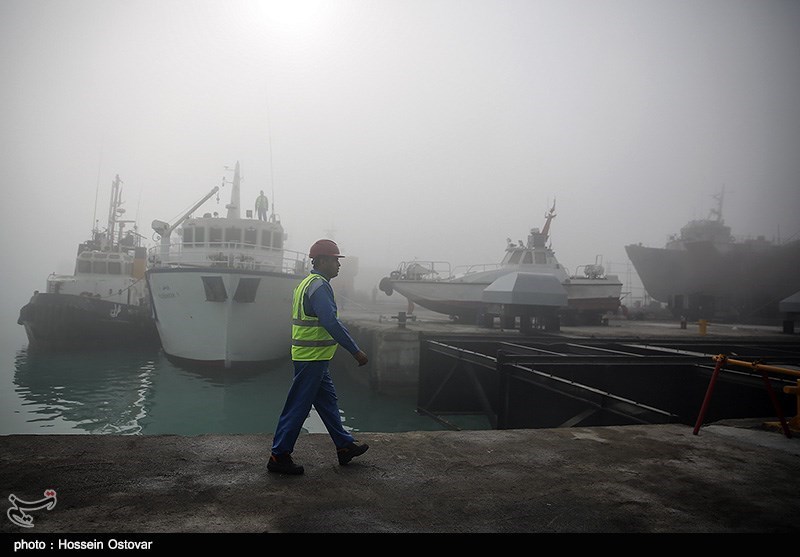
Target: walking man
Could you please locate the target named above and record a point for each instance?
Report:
(261, 206)
(316, 333)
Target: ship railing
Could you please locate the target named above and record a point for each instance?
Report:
(422, 270)
(464, 270)
(231, 256)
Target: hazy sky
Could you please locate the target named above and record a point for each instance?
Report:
(432, 129)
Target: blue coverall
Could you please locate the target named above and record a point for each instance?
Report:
(312, 384)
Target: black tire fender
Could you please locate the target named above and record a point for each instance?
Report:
(386, 286)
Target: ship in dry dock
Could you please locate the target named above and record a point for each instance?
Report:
(705, 273)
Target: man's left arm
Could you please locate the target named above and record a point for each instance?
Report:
(324, 306)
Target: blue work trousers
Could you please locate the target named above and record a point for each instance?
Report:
(312, 385)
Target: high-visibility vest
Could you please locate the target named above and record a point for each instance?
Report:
(310, 340)
(262, 202)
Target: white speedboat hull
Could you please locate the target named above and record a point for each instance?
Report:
(465, 299)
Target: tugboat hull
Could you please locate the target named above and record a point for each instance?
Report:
(71, 321)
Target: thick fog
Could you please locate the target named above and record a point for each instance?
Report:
(430, 129)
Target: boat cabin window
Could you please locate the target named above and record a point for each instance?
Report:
(115, 267)
(215, 236)
(188, 235)
(541, 258)
(99, 267)
(266, 238)
(250, 237)
(233, 235)
(515, 257)
(199, 236)
(277, 240)
(527, 259)
(84, 266)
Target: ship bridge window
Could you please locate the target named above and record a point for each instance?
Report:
(250, 237)
(246, 290)
(115, 262)
(199, 236)
(266, 238)
(515, 257)
(233, 235)
(215, 289)
(541, 257)
(528, 258)
(84, 266)
(188, 236)
(277, 240)
(215, 236)
(99, 267)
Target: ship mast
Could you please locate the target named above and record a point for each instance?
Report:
(538, 239)
(716, 214)
(549, 216)
(113, 209)
(233, 206)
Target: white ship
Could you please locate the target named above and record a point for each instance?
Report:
(222, 295)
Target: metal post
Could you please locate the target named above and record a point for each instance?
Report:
(502, 390)
(778, 410)
(721, 359)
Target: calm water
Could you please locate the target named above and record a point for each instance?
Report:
(141, 392)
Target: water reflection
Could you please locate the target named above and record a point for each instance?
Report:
(97, 392)
(142, 392)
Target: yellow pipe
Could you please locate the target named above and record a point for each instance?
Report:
(755, 366)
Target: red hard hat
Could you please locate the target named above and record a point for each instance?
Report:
(324, 247)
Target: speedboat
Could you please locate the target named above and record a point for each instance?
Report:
(529, 278)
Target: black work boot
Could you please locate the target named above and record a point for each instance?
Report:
(349, 452)
(283, 464)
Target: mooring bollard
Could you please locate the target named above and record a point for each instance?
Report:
(703, 326)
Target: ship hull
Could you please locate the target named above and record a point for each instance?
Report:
(72, 321)
(586, 298)
(703, 280)
(221, 316)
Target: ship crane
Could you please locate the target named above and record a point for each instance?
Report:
(164, 229)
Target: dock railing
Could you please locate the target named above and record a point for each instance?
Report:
(756, 366)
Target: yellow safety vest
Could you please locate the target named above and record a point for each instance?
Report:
(310, 340)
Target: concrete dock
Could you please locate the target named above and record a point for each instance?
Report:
(735, 476)
(633, 479)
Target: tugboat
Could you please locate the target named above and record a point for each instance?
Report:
(528, 275)
(105, 303)
(222, 294)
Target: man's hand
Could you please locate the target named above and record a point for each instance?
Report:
(361, 358)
